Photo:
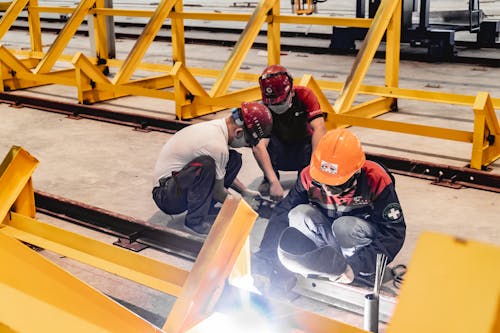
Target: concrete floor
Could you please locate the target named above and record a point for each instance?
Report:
(110, 166)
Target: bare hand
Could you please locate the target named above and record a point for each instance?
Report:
(276, 191)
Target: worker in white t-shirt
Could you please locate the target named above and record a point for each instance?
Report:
(196, 166)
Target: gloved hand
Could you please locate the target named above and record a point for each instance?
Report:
(252, 198)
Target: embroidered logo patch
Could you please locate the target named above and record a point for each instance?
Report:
(329, 167)
(393, 213)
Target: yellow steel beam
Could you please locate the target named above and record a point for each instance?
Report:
(288, 19)
(100, 33)
(452, 285)
(102, 88)
(395, 126)
(188, 80)
(64, 36)
(324, 20)
(34, 27)
(274, 37)
(5, 5)
(144, 41)
(203, 105)
(10, 15)
(486, 140)
(308, 81)
(110, 258)
(177, 29)
(392, 48)
(371, 108)
(185, 85)
(213, 266)
(15, 174)
(242, 47)
(53, 299)
(34, 285)
(85, 71)
(11, 61)
(365, 55)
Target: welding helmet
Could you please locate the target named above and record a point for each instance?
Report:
(256, 120)
(275, 85)
(338, 157)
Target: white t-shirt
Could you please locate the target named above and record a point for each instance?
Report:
(207, 138)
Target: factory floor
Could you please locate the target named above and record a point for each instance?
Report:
(110, 166)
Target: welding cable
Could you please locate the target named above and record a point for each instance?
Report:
(398, 273)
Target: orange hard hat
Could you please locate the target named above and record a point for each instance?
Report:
(337, 157)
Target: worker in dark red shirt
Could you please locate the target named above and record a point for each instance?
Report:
(342, 211)
(298, 124)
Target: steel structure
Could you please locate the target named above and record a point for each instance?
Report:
(74, 305)
(451, 284)
(92, 77)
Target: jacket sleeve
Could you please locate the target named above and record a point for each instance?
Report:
(388, 220)
(279, 220)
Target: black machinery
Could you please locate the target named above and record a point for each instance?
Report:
(434, 30)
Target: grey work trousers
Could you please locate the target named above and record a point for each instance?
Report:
(347, 232)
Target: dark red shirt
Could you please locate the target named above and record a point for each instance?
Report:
(294, 126)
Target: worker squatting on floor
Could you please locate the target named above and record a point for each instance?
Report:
(196, 166)
(298, 124)
(342, 212)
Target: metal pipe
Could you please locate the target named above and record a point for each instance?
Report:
(370, 319)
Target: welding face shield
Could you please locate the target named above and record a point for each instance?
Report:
(341, 188)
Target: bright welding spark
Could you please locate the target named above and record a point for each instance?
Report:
(246, 321)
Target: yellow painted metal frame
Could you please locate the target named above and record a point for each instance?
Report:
(452, 285)
(179, 82)
(34, 285)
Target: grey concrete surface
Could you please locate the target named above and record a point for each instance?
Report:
(110, 166)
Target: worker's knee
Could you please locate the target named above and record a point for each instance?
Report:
(352, 232)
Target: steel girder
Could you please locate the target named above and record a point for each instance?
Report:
(35, 285)
(180, 84)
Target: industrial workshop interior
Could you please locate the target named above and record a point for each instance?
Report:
(91, 90)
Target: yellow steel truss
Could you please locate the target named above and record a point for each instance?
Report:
(34, 285)
(451, 284)
(177, 82)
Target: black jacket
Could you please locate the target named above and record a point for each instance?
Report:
(374, 200)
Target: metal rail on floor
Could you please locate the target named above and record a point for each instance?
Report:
(440, 174)
(90, 74)
(428, 301)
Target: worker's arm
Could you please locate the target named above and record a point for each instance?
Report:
(264, 162)
(319, 129)
(220, 192)
(239, 187)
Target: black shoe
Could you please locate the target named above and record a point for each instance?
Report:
(272, 279)
(201, 229)
(282, 283)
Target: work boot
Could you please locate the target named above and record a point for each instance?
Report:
(272, 279)
(282, 283)
(202, 228)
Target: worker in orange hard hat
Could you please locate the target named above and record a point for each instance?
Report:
(298, 124)
(197, 165)
(342, 212)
